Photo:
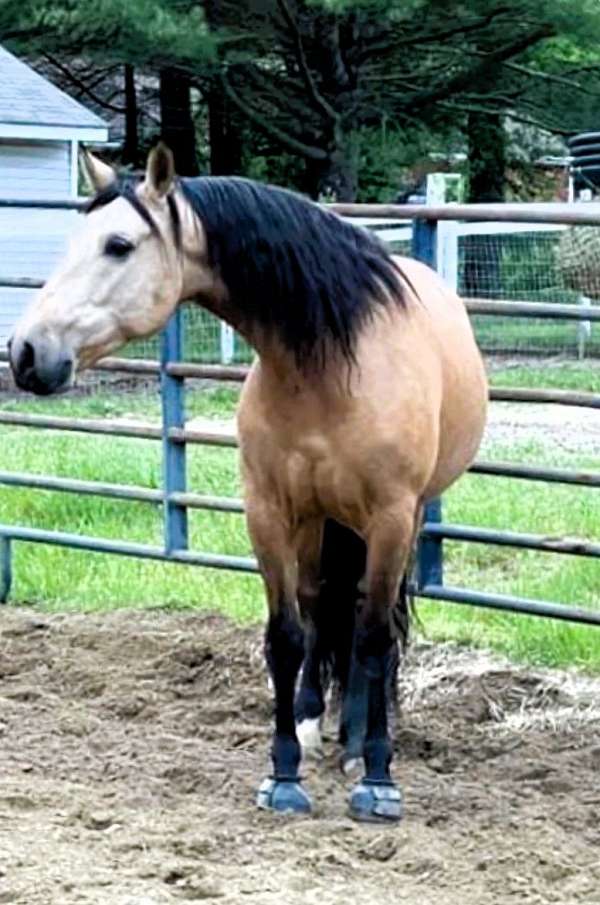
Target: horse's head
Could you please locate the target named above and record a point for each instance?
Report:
(121, 278)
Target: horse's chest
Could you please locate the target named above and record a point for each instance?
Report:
(307, 475)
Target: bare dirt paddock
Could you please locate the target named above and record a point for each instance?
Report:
(131, 745)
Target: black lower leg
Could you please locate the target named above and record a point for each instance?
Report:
(353, 725)
(375, 651)
(284, 648)
(310, 702)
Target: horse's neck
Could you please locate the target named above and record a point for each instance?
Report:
(283, 379)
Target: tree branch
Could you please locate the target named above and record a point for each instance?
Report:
(464, 79)
(514, 114)
(294, 144)
(81, 86)
(320, 102)
(294, 101)
(548, 77)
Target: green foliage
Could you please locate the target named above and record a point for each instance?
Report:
(389, 159)
(139, 31)
(314, 84)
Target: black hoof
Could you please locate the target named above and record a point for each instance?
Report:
(376, 802)
(284, 796)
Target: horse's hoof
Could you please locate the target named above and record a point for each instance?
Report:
(283, 795)
(309, 736)
(376, 802)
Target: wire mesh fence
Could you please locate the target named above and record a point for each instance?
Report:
(203, 344)
(536, 266)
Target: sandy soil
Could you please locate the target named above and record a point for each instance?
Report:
(560, 427)
(131, 745)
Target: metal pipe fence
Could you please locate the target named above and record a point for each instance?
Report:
(175, 498)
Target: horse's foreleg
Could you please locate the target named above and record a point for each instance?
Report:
(389, 544)
(284, 651)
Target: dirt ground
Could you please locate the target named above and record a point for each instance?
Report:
(131, 745)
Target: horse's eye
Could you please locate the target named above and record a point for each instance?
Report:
(118, 247)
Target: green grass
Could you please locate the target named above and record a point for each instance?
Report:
(105, 402)
(529, 507)
(584, 376)
(512, 335)
(56, 579)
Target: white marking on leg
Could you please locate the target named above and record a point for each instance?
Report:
(309, 736)
(353, 766)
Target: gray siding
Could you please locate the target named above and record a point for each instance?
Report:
(31, 241)
(35, 169)
(12, 304)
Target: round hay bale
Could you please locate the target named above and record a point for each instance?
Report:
(578, 259)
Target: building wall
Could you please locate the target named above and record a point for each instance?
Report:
(31, 241)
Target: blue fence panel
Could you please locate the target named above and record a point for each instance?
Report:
(174, 454)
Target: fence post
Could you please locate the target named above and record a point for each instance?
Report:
(5, 568)
(226, 343)
(174, 454)
(447, 253)
(430, 554)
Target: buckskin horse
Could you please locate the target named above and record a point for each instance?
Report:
(367, 398)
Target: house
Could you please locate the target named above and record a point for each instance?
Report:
(40, 131)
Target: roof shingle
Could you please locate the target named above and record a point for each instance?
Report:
(27, 98)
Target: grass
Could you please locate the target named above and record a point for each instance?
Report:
(512, 335)
(56, 579)
(584, 376)
(529, 507)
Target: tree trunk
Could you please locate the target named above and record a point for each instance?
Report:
(487, 165)
(131, 144)
(332, 179)
(339, 178)
(487, 157)
(223, 134)
(177, 125)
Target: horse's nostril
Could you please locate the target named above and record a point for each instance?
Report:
(27, 358)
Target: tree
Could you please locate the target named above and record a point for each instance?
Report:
(96, 48)
(310, 74)
(311, 80)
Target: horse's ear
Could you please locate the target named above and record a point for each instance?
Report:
(160, 171)
(100, 175)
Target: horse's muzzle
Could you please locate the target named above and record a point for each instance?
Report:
(38, 368)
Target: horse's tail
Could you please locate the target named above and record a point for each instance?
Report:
(343, 565)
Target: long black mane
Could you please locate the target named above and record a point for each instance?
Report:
(290, 267)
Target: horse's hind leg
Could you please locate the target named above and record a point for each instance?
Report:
(389, 544)
(330, 569)
(284, 651)
(310, 700)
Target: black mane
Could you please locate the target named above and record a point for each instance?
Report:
(289, 266)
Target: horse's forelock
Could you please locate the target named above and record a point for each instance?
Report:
(127, 188)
